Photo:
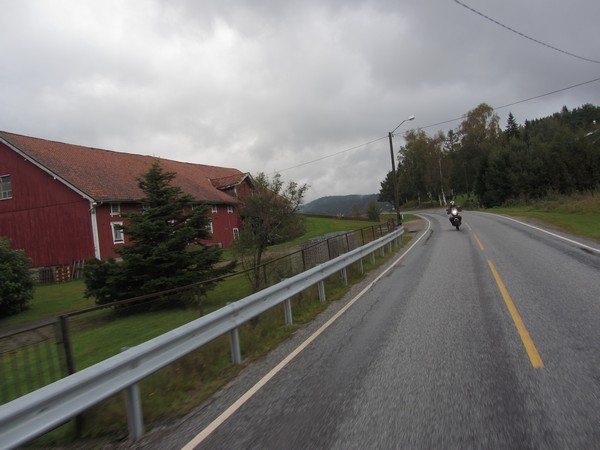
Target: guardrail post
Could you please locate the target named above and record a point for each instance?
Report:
(373, 258)
(287, 310)
(345, 276)
(361, 268)
(303, 260)
(234, 341)
(321, 285)
(65, 340)
(135, 416)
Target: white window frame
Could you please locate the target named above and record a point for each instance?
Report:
(229, 208)
(215, 209)
(117, 235)
(236, 233)
(5, 193)
(210, 228)
(115, 209)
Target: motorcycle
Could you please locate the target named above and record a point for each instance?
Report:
(455, 218)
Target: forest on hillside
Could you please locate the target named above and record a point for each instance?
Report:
(492, 165)
(344, 205)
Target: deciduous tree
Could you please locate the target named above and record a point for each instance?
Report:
(268, 217)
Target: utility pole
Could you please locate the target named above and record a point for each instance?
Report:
(394, 177)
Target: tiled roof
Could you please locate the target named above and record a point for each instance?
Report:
(108, 175)
(229, 181)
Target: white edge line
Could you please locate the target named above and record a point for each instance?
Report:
(550, 233)
(264, 380)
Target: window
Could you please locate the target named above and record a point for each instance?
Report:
(236, 233)
(209, 227)
(5, 187)
(229, 208)
(115, 209)
(214, 209)
(117, 232)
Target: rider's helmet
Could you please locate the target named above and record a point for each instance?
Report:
(452, 203)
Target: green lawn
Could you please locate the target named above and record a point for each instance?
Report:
(51, 301)
(319, 226)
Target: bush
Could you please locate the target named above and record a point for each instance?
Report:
(16, 285)
(373, 211)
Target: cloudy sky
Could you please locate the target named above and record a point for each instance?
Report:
(309, 89)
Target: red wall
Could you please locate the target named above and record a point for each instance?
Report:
(47, 219)
(223, 224)
(104, 220)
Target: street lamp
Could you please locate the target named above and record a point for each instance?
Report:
(394, 179)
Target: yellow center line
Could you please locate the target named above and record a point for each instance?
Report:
(481, 247)
(534, 356)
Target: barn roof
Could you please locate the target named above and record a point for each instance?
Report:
(106, 175)
(229, 181)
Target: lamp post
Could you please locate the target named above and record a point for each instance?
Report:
(394, 179)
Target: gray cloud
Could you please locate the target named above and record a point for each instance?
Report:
(283, 86)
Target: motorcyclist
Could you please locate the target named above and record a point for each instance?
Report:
(454, 220)
(453, 205)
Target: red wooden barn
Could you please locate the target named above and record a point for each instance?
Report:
(60, 202)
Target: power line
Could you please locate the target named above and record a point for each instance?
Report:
(548, 93)
(437, 124)
(517, 102)
(331, 155)
(525, 36)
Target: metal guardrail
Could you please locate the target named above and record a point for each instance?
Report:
(26, 364)
(33, 414)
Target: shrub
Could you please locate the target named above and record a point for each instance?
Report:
(16, 285)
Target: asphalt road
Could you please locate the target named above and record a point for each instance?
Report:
(487, 337)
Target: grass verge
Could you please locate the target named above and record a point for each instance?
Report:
(577, 214)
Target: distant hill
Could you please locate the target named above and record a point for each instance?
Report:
(343, 205)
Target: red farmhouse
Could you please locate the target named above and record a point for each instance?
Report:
(60, 202)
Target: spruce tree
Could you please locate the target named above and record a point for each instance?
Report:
(512, 129)
(164, 250)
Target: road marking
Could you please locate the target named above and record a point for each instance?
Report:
(597, 250)
(534, 356)
(264, 380)
(481, 247)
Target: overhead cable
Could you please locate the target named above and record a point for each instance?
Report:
(437, 124)
(525, 36)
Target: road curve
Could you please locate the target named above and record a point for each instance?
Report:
(487, 337)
